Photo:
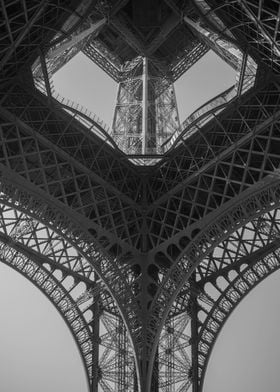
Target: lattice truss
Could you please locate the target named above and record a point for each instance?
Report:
(174, 355)
(256, 22)
(194, 182)
(229, 272)
(53, 265)
(162, 121)
(144, 264)
(127, 122)
(25, 25)
(70, 283)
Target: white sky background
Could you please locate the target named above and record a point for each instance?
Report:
(246, 356)
(37, 351)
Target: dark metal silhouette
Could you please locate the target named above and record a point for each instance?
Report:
(145, 251)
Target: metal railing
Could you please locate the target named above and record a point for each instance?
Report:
(206, 112)
(244, 81)
(200, 117)
(85, 116)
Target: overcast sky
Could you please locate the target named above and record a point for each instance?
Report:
(37, 352)
(246, 357)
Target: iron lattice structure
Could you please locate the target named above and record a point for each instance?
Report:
(145, 257)
(146, 112)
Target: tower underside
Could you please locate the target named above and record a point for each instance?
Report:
(146, 113)
(147, 238)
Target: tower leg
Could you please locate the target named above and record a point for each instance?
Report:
(95, 308)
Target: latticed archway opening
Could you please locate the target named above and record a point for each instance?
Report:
(248, 342)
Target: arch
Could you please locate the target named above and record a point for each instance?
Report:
(36, 344)
(236, 291)
(224, 278)
(229, 273)
(255, 202)
(59, 297)
(68, 280)
(24, 229)
(33, 203)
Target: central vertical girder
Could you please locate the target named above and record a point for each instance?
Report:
(145, 103)
(146, 112)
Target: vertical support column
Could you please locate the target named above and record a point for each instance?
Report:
(146, 113)
(135, 381)
(95, 308)
(155, 373)
(127, 126)
(145, 103)
(194, 338)
(122, 357)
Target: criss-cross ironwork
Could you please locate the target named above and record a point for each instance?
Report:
(146, 250)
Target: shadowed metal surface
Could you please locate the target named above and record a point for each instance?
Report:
(144, 256)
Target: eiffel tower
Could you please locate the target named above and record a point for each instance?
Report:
(147, 236)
